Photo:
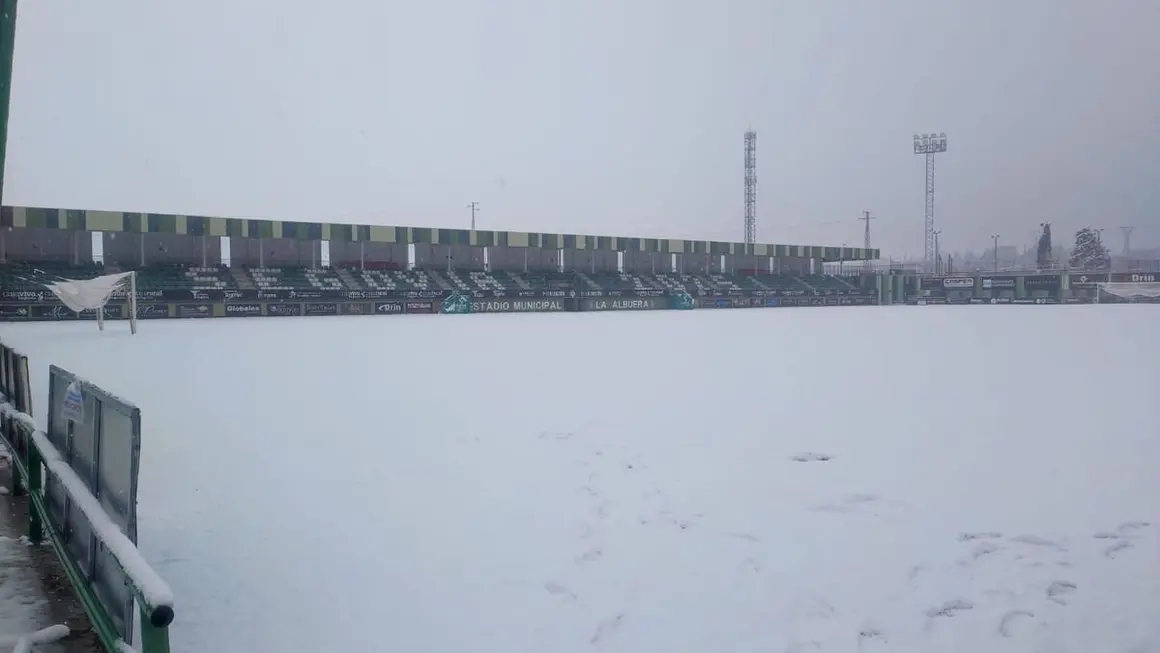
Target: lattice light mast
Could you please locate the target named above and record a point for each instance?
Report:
(750, 187)
(1127, 239)
(929, 145)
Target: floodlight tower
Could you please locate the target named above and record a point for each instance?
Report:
(750, 187)
(1127, 239)
(930, 145)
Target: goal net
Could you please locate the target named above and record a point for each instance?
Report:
(1128, 293)
(93, 294)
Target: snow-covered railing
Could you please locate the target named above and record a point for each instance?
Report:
(33, 453)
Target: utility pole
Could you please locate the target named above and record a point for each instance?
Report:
(7, 49)
(866, 217)
(995, 250)
(937, 254)
(474, 206)
(1127, 239)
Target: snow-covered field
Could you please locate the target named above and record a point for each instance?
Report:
(647, 482)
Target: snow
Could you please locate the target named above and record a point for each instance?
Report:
(629, 482)
(153, 589)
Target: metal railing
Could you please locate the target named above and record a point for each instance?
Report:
(34, 454)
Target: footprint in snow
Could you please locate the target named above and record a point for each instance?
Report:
(1058, 591)
(1009, 621)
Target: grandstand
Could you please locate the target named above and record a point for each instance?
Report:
(179, 258)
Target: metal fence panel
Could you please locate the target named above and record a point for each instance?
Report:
(102, 444)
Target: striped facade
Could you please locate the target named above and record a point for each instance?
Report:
(195, 225)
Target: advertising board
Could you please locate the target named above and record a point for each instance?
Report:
(194, 310)
(958, 283)
(243, 310)
(152, 311)
(998, 283)
(625, 304)
(320, 309)
(517, 305)
(284, 310)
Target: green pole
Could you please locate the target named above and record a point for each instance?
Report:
(7, 49)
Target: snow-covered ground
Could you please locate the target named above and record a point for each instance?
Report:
(865, 479)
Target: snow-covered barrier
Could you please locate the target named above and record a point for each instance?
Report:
(81, 477)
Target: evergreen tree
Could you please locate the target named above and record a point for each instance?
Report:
(1089, 252)
(1043, 251)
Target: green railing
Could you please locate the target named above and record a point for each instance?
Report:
(33, 454)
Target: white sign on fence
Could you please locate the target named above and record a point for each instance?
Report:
(73, 407)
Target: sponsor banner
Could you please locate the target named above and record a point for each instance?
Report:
(1041, 281)
(355, 308)
(992, 300)
(9, 311)
(320, 309)
(390, 308)
(420, 307)
(626, 304)
(300, 294)
(958, 283)
(998, 283)
(194, 310)
(112, 312)
(522, 294)
(517, 305)
(54, 312)
(1036, 300)
(283, 310)
(635, 293)
(152, 311)
(714, 302)
(390, 294)
(29, 296)
(1088, 279)
(243, 310)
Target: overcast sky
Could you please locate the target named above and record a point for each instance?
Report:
(620, 117)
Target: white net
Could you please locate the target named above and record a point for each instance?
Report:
(1129, 292)
(94, 294)
(90, 294)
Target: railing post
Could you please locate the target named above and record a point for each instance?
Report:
(33, 465)
(15, 487)
(153, 639)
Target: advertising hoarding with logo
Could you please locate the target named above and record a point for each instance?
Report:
(625, 304)
(320, 309)
(243, 310)
(998, 283)
(958, 283)
(284, 310)
(517, 305)
(194, 310)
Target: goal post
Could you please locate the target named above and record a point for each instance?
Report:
(1128, 292)
(93, 294)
